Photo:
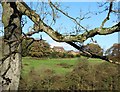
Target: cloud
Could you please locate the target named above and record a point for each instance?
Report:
(54, 43)
(62, 44)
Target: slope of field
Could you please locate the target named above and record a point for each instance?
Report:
(55, 74)
(58, 66)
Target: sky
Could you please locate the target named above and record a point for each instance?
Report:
(65, 25)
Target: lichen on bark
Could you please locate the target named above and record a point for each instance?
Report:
(11, 66)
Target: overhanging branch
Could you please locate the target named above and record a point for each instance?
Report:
(40, 25)
(92, 55)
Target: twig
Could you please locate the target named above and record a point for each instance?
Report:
(67, 15)
(108, 15)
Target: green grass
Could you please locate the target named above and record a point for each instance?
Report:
(43, 64)
(55, 65)
(95, 61)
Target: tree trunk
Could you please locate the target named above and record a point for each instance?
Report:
(11, 62)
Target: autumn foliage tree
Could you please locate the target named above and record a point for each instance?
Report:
(94, 48)
(114, 52)
(40, 48)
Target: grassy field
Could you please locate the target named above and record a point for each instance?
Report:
(58, 66)
(55, 74)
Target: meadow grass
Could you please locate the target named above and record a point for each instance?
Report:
(41, 65)
(59, 66)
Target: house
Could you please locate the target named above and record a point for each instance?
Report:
(73, 52)
(58, 49)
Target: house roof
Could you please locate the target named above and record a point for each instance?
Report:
(56, 47)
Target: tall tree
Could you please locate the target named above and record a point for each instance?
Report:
(11, 62)
(11, 17)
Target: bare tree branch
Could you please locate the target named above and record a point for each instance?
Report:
(108, 15)
(41, 26)
(116, 11)
(92, 55)
(51, 4)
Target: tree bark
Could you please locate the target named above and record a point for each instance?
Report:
(10, 66)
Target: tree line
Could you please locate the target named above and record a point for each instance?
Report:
(42, 49)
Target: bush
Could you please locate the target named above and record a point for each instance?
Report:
(103, 76)
(84, 76)
(34, 81)
(70, 56)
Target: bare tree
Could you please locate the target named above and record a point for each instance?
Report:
(10, 65)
